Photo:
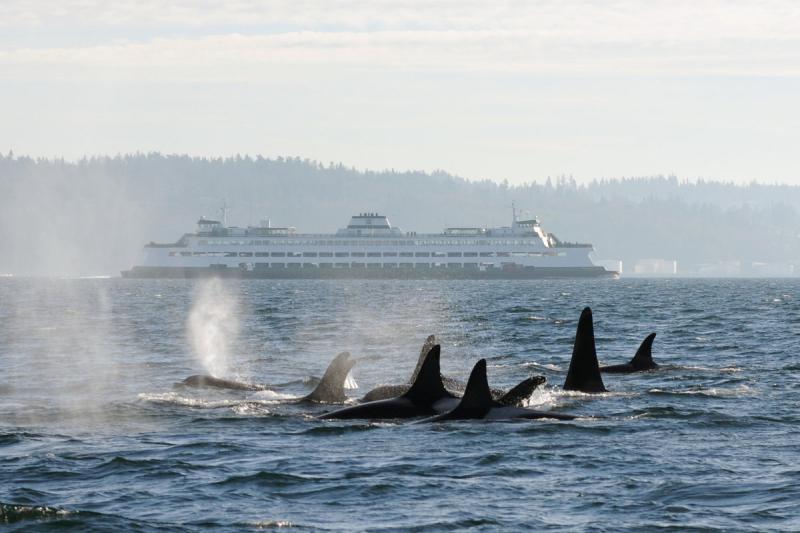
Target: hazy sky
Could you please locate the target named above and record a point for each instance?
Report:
(501, 90)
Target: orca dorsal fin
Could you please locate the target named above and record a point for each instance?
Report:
(429, 343)
(643, 359)
(584, 370)
(428, 386)
(477, 394)
(331, 387)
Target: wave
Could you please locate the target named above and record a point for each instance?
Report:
(714, 392)
(11, 513)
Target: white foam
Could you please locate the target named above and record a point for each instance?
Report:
(273, 396)
(350, 382)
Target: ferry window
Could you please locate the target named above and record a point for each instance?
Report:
(199, 254)
(439, 254)
(422, 254)
(390, 265)
(262, 265)
(357, 254)
(453, 254)
(406, 254)
(309, 265)
(294, 254)
(454, 265)
(231, 254)
(406, 265)
(389, 254)
(278, 254)
(470, 254)
(341, 265)
(503, 254)
(245, 254)
(293, 265)
(309, 254)
(262, 254)
(326, 254)
(374, 254)
(357, 265)
(470, 265)
(326, 265)
(342, 254)
(277, 265)
(519, 254)
(423, 265)
(487, 254)
(373, 265)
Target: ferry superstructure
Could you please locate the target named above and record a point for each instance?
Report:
(369, 247)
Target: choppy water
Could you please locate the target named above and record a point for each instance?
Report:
(93, 434)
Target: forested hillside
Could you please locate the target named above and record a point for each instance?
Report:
(92, 216)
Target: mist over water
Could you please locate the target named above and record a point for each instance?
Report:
(213, 326)
(93, 433)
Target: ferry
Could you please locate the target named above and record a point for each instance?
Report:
(369, 247)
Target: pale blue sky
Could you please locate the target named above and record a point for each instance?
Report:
(502, 90)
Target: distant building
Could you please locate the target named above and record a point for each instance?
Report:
(722, 269)
(614, 265)
(655, 267)
(772, 270)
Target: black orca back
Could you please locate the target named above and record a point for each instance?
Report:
(518, 396)
(584, 370)
(643, 360)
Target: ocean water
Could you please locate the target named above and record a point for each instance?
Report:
(94, 435)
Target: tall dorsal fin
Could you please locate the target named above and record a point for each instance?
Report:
(331, 387)
(429, 343)
(428, 387)
(477, 394)
(644, 355)
(584, 370)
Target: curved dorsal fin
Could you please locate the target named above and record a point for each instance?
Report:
(429, 343)
(584, 370)
(331, 387)
(644, 355)
(428, 387)
(477, 394)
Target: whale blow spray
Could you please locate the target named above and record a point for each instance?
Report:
(213, 325)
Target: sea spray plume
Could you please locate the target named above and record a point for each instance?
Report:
(518, 395)
(584, 370)
(477, 403)
(213, 325)
(641, 362)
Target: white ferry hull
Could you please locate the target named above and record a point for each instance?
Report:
(144, 272)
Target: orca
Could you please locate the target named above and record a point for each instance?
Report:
(204, 381)
(478, 403)
(518, 395)
(641, 362)
(426, 396)
(329, 388)
(584, 370)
